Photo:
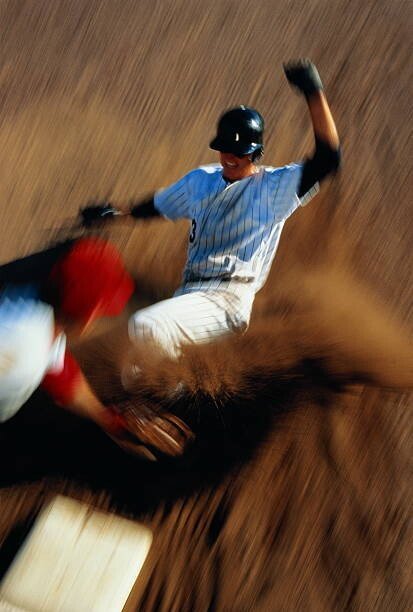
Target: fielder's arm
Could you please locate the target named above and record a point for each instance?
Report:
(70, 389)
(133, 430)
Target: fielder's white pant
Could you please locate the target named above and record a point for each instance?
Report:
(192, 318)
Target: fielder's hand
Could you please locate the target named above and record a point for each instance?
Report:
(147, 433)
(303, 75)
(97, 212)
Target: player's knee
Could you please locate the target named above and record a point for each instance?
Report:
(147, 329)
(238, 320)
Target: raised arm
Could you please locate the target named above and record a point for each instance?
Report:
(323, 123)
(303, 75)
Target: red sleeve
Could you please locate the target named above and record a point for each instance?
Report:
(61, 386)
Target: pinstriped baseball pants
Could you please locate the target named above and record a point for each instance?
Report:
(192, 318)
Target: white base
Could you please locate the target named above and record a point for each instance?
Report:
(75, 559)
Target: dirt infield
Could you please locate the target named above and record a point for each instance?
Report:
(297, 496)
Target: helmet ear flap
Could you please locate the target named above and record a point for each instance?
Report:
(256, 155)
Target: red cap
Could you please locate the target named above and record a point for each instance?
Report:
(91, 280)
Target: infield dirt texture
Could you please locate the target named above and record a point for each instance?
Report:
(299, 495)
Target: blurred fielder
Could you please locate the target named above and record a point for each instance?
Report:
(61, 292)
(85, 280)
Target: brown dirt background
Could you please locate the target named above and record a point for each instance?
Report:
(300, 495)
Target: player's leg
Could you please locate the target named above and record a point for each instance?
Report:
(193, 318)
(161, 330)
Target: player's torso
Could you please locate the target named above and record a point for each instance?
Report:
(28, 348)
(231, 223)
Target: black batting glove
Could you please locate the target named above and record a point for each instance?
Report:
(303, 75)
(96, 213)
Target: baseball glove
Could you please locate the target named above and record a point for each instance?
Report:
(146, 433)
(303, 75)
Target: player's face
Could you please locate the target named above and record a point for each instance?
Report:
(236, 168)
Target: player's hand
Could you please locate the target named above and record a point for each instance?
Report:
(96, 213)
(142, 431)
(303, 75)
(165, 433)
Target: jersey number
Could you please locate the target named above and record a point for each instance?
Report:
(193, 231)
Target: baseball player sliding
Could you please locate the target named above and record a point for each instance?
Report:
(237, 210)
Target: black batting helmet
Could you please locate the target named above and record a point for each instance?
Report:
(240, 131)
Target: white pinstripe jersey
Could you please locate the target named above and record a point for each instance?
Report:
(236, 227)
